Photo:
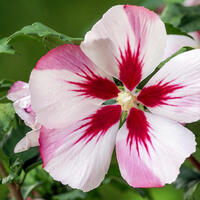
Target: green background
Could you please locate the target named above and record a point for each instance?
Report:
(71, 17)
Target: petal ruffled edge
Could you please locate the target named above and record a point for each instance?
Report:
(80, 155)
(154, 160)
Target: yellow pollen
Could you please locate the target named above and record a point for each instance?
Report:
(126, 100)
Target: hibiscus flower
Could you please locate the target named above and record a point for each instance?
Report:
(70, 88)
(19, 93)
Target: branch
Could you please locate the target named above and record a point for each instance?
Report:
(14, 188)
(195, 162)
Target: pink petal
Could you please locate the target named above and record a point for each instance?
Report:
(19, 93)
(128, 43)
(155, 156)
(65, 85)
(18, 90)
(30, 140)
(191, 2)
(80, 154)
(65, 57)
(174, 91)
(176, 42)
(196, 36)
(24, 109)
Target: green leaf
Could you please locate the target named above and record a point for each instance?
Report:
(49, 187)
(7, 116)
(144, 82)
(196, 193)
(186, 18)
(188, 194)
(173, 13)
(189, 180)
(26, 190)
(186, 177)
(17, 132)
(49, 37)
(15, 170)
(4, 87)
(109, 102)
(32, 165)
(26, 160)
(8, 179)
(29, 158)
(22, 161)
(175, 31)
(5, 84)
(73, 195)
(195, 128)
(40, 31)
(117, 82)
(5, 47)
(190, 23)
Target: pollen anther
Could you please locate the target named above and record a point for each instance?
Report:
(126, 100)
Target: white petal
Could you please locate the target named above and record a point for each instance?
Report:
(24, 110)
(176, 42)
(18, 90)
(174, 91)
(80, 154)
(107, 41)
(65, 86)
(19, 93)
(156, 161)
(30, 140)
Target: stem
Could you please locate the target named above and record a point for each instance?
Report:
(195, 162)
(14, 188)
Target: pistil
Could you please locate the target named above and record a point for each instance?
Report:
(126, 100)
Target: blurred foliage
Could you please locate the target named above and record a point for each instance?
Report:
(189, 180)
(72, 18)
(5, 48)
(186, 18)
(4, 87)
(7, 116)
(195, 128)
